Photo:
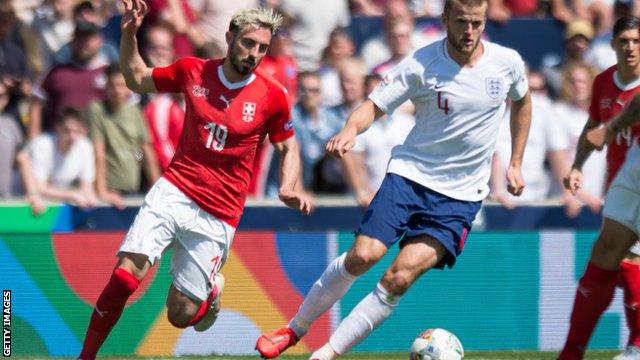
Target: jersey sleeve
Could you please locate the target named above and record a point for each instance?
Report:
(88, 172)
(171, 78)
(397, 86)
(519, 84)
(280, 125)
(595, 98)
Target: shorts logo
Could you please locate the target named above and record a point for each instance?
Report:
(493, 85)
(248, 111)
(199, 91)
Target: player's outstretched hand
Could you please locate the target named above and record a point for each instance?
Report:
(342, 142)
(297, 200)
(573, 181)
(599, 137)
(134, 12)
(515, 182)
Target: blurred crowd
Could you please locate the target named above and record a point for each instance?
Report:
(71, 131)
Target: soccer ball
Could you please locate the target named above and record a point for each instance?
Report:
(436, 344)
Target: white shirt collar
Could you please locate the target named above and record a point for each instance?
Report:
(232, 86)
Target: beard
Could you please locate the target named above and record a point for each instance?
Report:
(243, 66)
(462, 48)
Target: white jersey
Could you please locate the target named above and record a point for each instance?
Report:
(458, 113)
(58, 169)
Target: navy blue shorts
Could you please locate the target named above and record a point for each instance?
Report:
(403, 209)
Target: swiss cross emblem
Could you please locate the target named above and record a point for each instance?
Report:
(248, 111)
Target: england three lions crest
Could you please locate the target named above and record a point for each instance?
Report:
(248, 111)
(494, 86)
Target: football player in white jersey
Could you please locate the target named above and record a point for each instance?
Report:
(435, 181)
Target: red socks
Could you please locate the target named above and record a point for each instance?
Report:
(594, 293)
(108, 310)
(631, 284)
(202, 311)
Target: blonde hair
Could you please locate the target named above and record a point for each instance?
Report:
(566, 89)
(256, 17)
(352, 65)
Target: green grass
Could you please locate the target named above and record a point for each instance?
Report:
(472, 355)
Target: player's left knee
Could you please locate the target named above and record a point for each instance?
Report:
(398, 282)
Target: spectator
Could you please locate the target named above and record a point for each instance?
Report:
(429, 8)
(51, 29)
(313, 22)
(60, 166)
(601, 54)
(10, 141)
(578, 35)
(340, 47)
(572, 113)
(570, 11)
(352, 74)
(178, 16)
(502, 10)
(280, 63)
(121, 142)
(86, 13)
(74, 84)
(164, 112)
(212, 20)
(399, 42)
(366, 164)
(366, 7)
(314, 125)
(13, 63)
(545, 142)
(376, 50)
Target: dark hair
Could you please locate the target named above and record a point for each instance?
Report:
(69, 112)
(113, 69)
(304, 74)
(82, 7)
(448, 4)
(627, 22)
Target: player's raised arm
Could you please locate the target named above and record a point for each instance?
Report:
(289, 172)
(136, 73)
(359, 121)
(520, 123)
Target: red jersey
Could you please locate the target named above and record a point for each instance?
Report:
(224, 125)
(609, 97)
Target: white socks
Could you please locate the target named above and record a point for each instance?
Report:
(324, 353)
(372, 311)
(332, 285)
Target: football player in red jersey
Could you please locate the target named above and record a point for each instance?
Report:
(231, 107)
(613, 89)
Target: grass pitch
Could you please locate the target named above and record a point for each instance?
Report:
(471, 355)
